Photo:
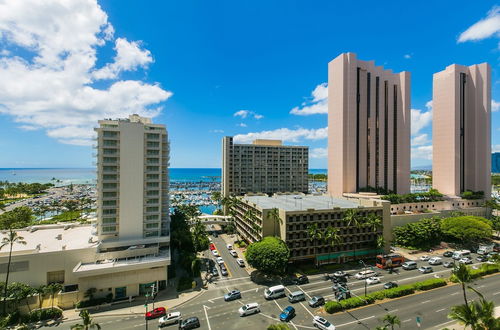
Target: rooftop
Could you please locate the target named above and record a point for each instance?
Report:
(50, 238)
(301, 202)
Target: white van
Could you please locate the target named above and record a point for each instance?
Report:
(274, 292)
(248, 309)
(365, 274)
(460, 254)
(296, 296)
(435, 261)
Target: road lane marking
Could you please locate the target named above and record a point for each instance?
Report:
(425, 301)
(455, 293)
(356, 321)
(307, 294)
(440, 310)
(407, 320)
(496, 293)
(206, 315)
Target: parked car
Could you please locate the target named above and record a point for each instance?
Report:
(482, 258)
(212, 247)
(214, 272)
(170, 318)
(339, 287)
(316, 301)
(372, 280)
(425, 269)
(223, 270)
(240, 262)
(365, 274)
(156, 313)
(248, 309)
(219, 260)
(448, 264)
(390, 285)
(232, 295)
(301, 279)
(425, 258)
(215, 253)
(296, 296)
(409, 265)
(233, 253)
(457, 255)
(342, 279)
(215, 234)
(229, 247)
(465, 260)
(190, 323)
(339, 273)
(287, 314)
(322, 323)
(448, 254)
(435, 261)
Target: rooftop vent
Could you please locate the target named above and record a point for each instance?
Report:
(59, 237)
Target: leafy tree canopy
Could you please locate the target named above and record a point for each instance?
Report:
(270, 255)
(467, 229)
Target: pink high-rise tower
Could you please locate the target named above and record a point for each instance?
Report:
(368, 127)
(461, 129)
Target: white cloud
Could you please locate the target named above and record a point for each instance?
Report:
(318, 103)
(484, 28)
(245, 113)
(407, 56)
(420, 140)
(129, 57)
(242, 125)
(216, 131)
(421, 152)
(318, 153)
(284, 134)
(495, 106)
(420, 119)
(50, 84)
(495, 148)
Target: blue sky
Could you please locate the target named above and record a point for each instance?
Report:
(209, 69)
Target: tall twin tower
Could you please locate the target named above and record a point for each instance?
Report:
(369, 125)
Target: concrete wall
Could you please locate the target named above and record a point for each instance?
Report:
(401, 220)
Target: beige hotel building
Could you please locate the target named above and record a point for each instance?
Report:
(461, 129)
(265, 166)
(368, 127)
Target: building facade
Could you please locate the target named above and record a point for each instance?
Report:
(461, 129)
(265, 166)
(132, 181)
(298, 212)
(368, 127)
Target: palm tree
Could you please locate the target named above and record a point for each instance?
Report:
(314, 234)
(353, 219)
(252, 218)
(53, 289)
(463, 276)
(485, 311)
(88, 322)
(373, 222)
(380, 243)
(391, 320)
(40, 291)
(464, 314)
(332, 237)
(274, 215)
(9, 240)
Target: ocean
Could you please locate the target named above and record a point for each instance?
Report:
(88, 175)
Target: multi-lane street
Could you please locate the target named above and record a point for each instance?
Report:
(214, 313)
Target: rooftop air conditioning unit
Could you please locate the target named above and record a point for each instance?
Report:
(59, 237)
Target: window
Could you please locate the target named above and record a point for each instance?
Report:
(109, 203)
(153, 176)
(55, 277)
(109, 211)
(152, 225)
(153, 136)
(109, 220)
(152, 217)
(153, 144)
(16, 266)
(152, 209)
(109, 177)
(109, 134)
(153, 201)
(153, 152)
(108, 229)
(109, 194)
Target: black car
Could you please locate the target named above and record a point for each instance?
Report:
(190, 323)
(316, 301)
(342, 279)
(447, 254)
(215, 234)
(390, 285)
(214, 272)
(482, 258)
(339, 287)
(303, 279)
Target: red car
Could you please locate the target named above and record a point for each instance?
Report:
(156, 313)
(212, 246)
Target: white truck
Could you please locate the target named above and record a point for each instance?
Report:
(485, 248)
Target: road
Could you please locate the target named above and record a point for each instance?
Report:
(214, 313)
(234, 270)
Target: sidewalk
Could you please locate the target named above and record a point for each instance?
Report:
(137, 306)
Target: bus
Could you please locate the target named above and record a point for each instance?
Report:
(385, 261)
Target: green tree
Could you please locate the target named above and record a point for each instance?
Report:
(87, 321)
(216, 197)
(20, 291)
(353, 219)
(200, 236)
(9, 240)
(332, 237)
(380, 242)
(40, 292)
(251, 217)
(391, 320)
(274, 216)
(462, 273)
(467, 229)
(89, 293)
(52, 290)
(270, 255)
(278, 326)
(485, 311)
(373, 222)
(315, 236)
(465, 315)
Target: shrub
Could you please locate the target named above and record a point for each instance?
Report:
(429, 284)
(94, 302)
(399, 291)
(377, 295)
(185, 283)
(278, 326)
(332, 307)
(45, 314)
